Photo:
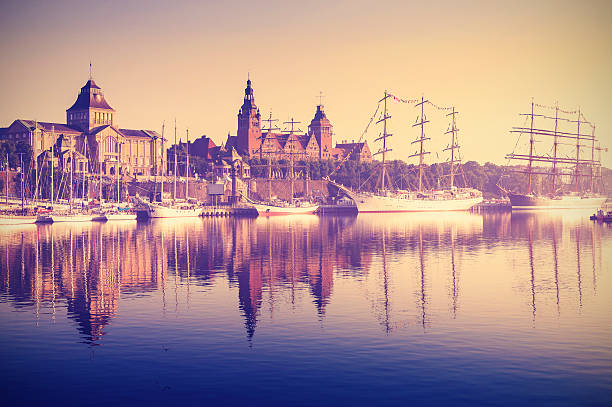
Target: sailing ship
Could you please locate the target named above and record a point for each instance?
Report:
(421, 200)
(554, 194)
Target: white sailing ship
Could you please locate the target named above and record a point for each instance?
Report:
(386, 200)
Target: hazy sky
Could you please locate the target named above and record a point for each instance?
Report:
(189, 59)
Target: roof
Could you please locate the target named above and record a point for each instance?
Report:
(47, 126)
(89, 98)
(320, 116)
(139, 133)
(351, 146)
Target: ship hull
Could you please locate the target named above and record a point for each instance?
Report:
(387, 204)
(160, 211)
(271, 210)
(523, 201)
(16, 219)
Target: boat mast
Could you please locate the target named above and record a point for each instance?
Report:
(187, 170)
(577, 170)
(7, 177)
(555, 144)
(269, 163)
(100, 174)
(291, 147)
(22, 181)
(83, 173)
(531, 141)
(383, 137)
(453, 131)
(71, 168)
(592, 156)
(52, 163)
(174, 190)
(161, 197)
(421, 140)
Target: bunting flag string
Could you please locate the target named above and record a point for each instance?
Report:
(556, 107)
(403, 100)
(439, 107)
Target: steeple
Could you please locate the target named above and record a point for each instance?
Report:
(321, 127)
(249, 126)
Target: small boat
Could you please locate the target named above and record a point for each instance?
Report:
(120, 216)
(70, 217)
(17, 219)
(272, 210)
(603, 215)
(176, 210)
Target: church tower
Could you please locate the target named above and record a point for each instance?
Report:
(321, 127)
(249, 125)
(90, 109)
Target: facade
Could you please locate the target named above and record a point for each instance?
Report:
(91, 134)
(357, 151)
(316, 144)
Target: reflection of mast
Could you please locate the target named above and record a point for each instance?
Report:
(533, 307)
(422, 264)
(175, 272)
(593, 258)
(385, 283)
(452, 235)
(556, 264)
(578, 266)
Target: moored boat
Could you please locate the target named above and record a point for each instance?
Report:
(17, 219)
(550, 191)
(272, 210)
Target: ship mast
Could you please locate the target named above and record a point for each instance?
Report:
(577, 170)
(270, 120)
(161, 196)
(187, 170)
(421, 140)
(454, 146)
(592, 157)
(175, 166)
(531, 141)
(383, 137)
(555, 144)
(291, 148)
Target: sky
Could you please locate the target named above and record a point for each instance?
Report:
(189, 60)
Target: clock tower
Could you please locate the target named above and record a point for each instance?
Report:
(249, 125)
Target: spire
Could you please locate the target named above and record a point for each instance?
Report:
(90, 71)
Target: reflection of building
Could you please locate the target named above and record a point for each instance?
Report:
(91, 132)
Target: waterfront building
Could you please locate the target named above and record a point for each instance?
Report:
(356, 151)
(92, 135)
(250, 141)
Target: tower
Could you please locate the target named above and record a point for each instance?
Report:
(90, 109)
(249, 125)
(321, 127)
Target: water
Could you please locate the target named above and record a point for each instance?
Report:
(370, 310)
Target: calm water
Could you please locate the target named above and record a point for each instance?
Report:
(367, 310)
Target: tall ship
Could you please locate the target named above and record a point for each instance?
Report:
(564, 174)
(388, 199)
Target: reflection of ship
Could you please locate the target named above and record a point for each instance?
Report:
(385, 200)
(555, 195)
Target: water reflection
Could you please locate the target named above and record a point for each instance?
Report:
(270, 264)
